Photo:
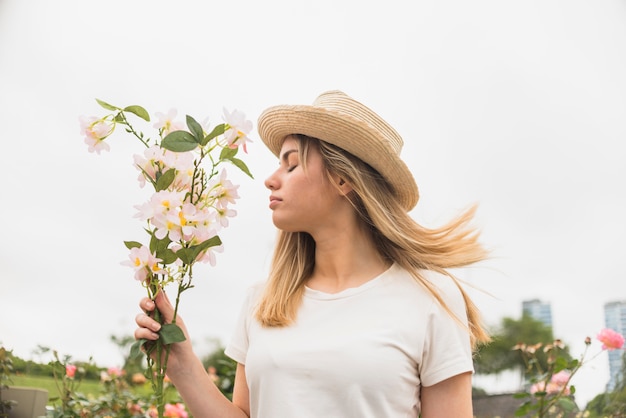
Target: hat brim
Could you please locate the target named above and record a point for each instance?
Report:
(348, 133)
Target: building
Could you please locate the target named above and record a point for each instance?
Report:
(615, 319)
(539, 310)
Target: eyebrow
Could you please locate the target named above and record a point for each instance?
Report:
(286, 154)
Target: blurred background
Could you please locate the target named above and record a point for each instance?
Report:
(518, 107)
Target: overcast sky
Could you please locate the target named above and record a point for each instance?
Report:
(519, 107)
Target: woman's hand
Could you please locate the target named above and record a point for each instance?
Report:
(186, 370)
(181, 354)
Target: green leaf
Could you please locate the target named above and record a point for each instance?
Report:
(158, 245)
(179, 141)
(106, 105)
(135, 349)
(184, 256)
(189, 255)
(218, 130)
(242, 166)
(523, 409)
(167, 256)
(228, 153)
(171, 333)
(139, 111)
(132, 244)
(560, 363)
(567, 404)
(165, 180)
(195, 129)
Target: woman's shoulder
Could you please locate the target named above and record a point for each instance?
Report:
(252, 296)
(254, 291)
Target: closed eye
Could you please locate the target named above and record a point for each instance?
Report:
(290, 159)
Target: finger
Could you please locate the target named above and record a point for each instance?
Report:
(146, 305)
(148, 328)
(145, 334)
(166, 308)
(144, 321)
(162, 302)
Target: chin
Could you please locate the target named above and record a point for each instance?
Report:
(285, 226)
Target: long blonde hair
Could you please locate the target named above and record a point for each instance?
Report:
(396, 235)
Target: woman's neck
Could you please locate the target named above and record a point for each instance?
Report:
(346, 259)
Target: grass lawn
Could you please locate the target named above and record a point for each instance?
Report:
(86, 387)
(47, 383)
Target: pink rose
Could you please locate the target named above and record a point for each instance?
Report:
(611, 340)
(175, 410)
(561, 378)
(135, 408)
(115, 371)
(538, 387)
(70, 371)
(556, 384)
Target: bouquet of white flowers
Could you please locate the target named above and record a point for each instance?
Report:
(191, 203)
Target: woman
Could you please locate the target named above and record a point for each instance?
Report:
(359, 316)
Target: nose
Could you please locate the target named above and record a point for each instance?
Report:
(272, 182)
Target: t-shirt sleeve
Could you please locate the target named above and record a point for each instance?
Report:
(237, 348)
(447, 348)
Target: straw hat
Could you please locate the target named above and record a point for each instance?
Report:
(338, 119)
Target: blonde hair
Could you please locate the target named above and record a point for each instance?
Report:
(396, 235)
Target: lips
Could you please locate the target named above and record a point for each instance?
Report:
(274, 201)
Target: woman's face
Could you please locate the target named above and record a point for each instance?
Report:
(302, 201)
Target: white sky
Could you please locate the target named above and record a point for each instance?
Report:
(517, 106)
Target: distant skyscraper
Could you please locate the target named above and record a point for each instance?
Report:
(541, 311)
(615, 318)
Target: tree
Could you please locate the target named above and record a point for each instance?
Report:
(610, 405)
(222, 368)
(498, 355)
(6, 369)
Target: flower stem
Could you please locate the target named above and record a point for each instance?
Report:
(131, 129)
(156, 364)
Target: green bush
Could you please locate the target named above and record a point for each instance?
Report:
(6, 370)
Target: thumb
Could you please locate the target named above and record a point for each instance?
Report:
(166, 309)
(164, 306)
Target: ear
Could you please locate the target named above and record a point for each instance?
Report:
(344, 186)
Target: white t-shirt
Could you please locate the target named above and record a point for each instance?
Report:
(364, 352)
